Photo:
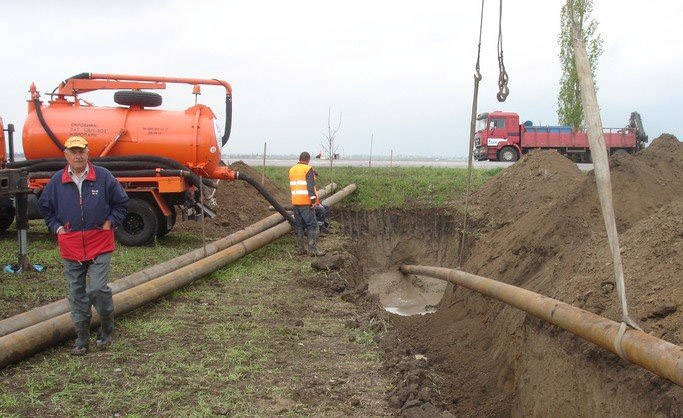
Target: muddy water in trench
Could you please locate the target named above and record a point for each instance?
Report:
(406, 294)
(388, 239)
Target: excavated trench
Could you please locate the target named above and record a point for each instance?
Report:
(386, 239)
(478, 357)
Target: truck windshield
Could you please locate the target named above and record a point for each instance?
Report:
(481, 124)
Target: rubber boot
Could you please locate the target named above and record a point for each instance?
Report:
(325, 230)
(106, 332)
(301, 242)
(313, 250)
(82, 338)
(322, 231)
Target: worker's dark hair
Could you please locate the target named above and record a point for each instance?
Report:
(304, 157)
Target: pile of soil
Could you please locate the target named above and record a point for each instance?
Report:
(541, 228)
(237, 204)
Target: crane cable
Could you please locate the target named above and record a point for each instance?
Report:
(473, 120)
(503, 89)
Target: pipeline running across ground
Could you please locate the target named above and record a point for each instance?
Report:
(656, 355)
(45, 312)
(23, 343)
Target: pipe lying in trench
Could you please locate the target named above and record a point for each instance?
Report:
(42, 313)
(23, 343)
(656, 355)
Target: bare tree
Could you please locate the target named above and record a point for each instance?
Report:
(330, 149)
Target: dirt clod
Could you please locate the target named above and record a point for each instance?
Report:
(328, 262)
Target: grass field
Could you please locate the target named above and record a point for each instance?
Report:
(396, 187)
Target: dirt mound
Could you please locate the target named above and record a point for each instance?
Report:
(555, 213)
(237, 204)
(537, 179)
(546, 234)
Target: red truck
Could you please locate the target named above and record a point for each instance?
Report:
(500, 137)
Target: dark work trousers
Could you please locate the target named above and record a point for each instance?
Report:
(304, 218)
(83, 294)
(322, 212)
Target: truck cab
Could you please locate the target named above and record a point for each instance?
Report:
(497, 137)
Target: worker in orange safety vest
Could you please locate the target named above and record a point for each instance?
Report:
(304, 201)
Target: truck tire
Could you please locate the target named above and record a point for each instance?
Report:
(140, 226)
(6, 213)
(508, 154)
(137, 98)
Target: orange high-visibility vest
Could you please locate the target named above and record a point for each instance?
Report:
(298, 185)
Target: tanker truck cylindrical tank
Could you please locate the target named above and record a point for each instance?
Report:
(188, 137)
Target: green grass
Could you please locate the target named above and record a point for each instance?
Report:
(182, 376)
(397, 187)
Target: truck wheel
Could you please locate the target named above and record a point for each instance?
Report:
(620, 151)
(137, 98)
(140, 226)
(508, 154)
(6, 213)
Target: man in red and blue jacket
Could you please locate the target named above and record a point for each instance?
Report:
(82, 204)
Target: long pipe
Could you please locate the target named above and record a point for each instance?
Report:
(51, 310)
(23, 343)
(656, 355)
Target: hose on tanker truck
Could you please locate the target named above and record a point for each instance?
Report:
(39, 113)
(130, 166)
(161, 161)
(228, 119)
(258, 186)
(130, 173)
(141, 162)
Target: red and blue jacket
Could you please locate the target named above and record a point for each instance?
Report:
(82, 216)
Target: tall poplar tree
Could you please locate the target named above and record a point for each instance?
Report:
(569, 105)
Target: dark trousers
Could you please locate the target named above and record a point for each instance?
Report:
(83, 294)
(304, 218)
(322, 212)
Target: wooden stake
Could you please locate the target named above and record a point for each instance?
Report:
(263, 171)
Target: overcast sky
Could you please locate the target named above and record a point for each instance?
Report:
(399, 71)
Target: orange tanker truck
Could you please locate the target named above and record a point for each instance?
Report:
(163, 158)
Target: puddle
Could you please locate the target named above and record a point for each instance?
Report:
(410, 310)
(406, 294)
